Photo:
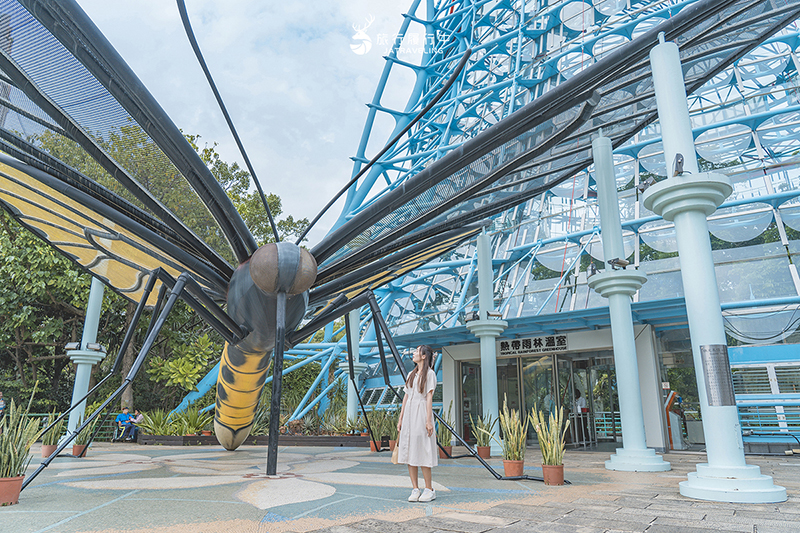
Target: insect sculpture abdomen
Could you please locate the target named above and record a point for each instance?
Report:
(252, 298)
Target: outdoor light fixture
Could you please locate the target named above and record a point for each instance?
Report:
(72, 346)
(493, 314)
(643, 186)
(677, 165)
(97, 347)
(592, 269)
(618, 263)
(472, 315)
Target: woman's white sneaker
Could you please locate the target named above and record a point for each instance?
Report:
(414, 497)
(427, 495)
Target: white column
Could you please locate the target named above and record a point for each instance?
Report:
(487, 330)
(618, 286)
(358, 366)
(84, 357)
(687, 200)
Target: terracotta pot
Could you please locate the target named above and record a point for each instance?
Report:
(10, 488)
(448, 449)
(48, 449)
(392, 444)
(372, 447)
(206, 433)
(77, 449)
(553, 474)
(513, 468)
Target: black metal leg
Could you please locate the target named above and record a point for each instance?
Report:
(277, 375)
(124, 346)
(137, 364)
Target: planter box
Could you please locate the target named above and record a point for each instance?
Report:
(261, 440)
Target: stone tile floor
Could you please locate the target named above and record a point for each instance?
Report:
(160, 489)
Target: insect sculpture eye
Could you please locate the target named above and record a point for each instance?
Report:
(283, 267)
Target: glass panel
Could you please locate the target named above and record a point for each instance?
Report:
(470, 397)
(537, 380)
(761, 327)
(750, 380)
(753, 273)
(508, 383)
(660, 236)
(740, 223)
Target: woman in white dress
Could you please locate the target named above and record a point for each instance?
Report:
(416, 439)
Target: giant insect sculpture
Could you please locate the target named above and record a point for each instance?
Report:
(61, 79)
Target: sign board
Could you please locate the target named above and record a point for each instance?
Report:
(717, 372)
(533, 345)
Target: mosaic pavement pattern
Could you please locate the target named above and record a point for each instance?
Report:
(131, 488)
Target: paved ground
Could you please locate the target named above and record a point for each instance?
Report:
(132, 488)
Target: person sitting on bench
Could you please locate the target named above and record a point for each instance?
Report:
(124, 422)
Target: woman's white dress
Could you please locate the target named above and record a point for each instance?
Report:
(416, 448)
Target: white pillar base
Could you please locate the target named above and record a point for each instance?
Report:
(637, 461)
(743, 484)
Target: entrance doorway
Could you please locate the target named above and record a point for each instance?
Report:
(508, 389)
(583, 383)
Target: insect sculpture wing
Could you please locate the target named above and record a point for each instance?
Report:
(99, 170)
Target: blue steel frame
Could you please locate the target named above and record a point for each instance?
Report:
(522, 49)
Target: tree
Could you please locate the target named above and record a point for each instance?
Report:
(43, 299)
(43, 294)
(236, 182)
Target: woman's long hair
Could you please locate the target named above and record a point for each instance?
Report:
(427, 352)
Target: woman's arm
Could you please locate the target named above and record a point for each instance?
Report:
(429, 415)
(402, 410)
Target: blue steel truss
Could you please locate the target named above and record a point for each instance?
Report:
(746, 122)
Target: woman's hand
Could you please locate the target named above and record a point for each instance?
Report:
(399, 423)
(429, 427)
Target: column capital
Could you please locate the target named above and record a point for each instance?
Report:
(610, 282)
(487, 328)
(689, 192)
(91, 357)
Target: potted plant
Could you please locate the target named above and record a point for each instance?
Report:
(19, 433)
(391, 426)
(377, 423)
(483, 430)
(551, 434)
(513, 443)
(51, 438)
(81, 441)
(443, 435)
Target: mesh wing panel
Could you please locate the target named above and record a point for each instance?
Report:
(75, 89)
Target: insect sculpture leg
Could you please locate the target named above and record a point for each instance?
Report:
(123, 347)
(277, 375)
(137, 364)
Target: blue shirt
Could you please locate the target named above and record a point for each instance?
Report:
(123, 418)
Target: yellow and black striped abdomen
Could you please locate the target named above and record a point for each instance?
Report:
(241, 378)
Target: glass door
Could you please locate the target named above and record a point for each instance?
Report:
(537, 383)
(508, 386)
(471, 403)
(603, 384)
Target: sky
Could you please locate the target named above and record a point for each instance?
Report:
(294, 80)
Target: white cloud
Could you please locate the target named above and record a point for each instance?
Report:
(294, 88)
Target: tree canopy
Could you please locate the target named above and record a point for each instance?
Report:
(43, 294)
